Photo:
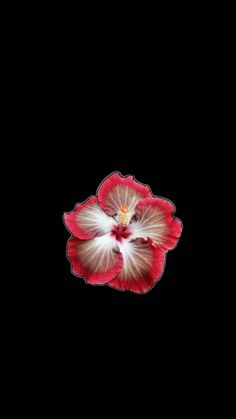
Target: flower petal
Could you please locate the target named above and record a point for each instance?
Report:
(117, 191)
(88, 220)
(97, 260)
(155, 220)
(143, 265)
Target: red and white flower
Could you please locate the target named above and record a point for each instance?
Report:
(121, 236)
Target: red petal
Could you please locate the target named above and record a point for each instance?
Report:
(88, 220)
(143, 266)
(155, 220)
(97, 260)
(117, 191)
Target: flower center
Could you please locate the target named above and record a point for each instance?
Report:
(120, 232)
(124, 215)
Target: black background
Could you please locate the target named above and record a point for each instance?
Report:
(140, 105)
(96, 329)
(154, 146)
(147, 125)
(144, 120)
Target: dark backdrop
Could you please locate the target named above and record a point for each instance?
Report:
(90, 122)
(94, 108)
(154, 145)
(148, 125)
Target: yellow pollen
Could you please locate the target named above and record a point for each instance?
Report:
(124, 215)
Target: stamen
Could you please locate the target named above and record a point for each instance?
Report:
(124, 215)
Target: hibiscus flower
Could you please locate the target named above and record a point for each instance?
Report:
(121, 236)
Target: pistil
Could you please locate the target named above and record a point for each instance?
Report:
(124, 216)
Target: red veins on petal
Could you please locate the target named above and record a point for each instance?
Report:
(118, 191)
(98, 259)
(154, 219)
(143, 265)
(88, 220)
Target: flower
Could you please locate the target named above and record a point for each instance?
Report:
(121, 236)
